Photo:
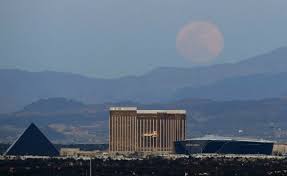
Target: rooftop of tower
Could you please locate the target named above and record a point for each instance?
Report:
(147, 111)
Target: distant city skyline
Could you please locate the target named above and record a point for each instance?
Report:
(104, 38)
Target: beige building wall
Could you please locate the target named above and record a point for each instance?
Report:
(279, 149)
(145, 130)
(122, 129)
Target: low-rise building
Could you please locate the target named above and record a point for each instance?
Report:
(223, 145)
(279, 149)
(76, 152)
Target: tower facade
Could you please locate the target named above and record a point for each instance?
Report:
(133, 130)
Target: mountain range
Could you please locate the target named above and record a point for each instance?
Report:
(262, 76)
(69, 121)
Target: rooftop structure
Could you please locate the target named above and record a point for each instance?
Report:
(147, 111)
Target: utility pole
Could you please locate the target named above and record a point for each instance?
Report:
(90, 166)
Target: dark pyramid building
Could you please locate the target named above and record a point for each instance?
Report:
(32, 142)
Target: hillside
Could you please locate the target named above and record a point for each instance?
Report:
(89, 123)
(19, 88)
(240, 88)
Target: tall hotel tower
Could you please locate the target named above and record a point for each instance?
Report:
(133, 130)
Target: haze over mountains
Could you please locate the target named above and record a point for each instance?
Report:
(259, 77)
(248, 96)
(69, 121)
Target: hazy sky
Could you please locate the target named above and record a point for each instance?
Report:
(112, 38)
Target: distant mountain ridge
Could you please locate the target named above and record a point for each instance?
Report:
(54, 105)
(255, 87)
(19, 88)
(264, 118)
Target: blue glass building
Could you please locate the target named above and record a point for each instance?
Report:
(223, 145)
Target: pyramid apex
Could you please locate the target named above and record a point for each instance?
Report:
(32, 125)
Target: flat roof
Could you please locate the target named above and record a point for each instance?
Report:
(161, 111)
(123, 108)
(147, 111)
(222, 138)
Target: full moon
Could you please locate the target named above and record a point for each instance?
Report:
(199, 42)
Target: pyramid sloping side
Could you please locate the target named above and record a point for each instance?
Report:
(32, 142)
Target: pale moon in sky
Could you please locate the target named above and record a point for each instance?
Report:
(199, 42)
